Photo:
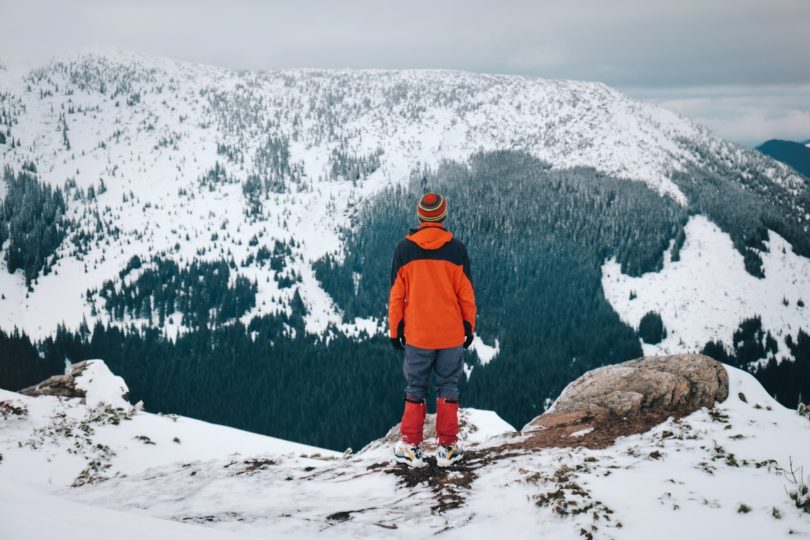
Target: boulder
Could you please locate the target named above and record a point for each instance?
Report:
(60, 385)
(88, 380)
(680, 382)
(628, 398)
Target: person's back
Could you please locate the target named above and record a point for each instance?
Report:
(431, 314)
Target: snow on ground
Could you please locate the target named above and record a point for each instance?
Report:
(29, 513)
(715, 473)
(483, 425)
(59, 439)
(100, 386)
(707, 293)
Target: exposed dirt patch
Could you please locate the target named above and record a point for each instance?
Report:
(251, 466)
(10, 408)
(346, 515)
(587, 428)
(576, 428)
(447, 484)
(340, 516)
(211, 518)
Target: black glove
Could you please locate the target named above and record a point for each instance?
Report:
(399, 341)
(468, 333)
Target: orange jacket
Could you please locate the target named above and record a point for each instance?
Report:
(431, 289)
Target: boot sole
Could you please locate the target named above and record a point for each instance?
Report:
(410, 463)
(448, 462)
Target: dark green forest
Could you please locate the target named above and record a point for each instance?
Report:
(269, 377)
(537, 239)
(201, 293)
(787, 381)
(32, 219)
(745, 204)
(791, 153)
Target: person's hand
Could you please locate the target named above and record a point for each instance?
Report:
(468, 333)
(399, 341)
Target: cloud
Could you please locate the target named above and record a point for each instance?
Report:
(624, 43)
(744, 114)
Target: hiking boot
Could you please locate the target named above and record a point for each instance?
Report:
(448, 455)
(409, 455)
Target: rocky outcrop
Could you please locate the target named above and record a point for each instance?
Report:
(60, 385)
(682, 382)
(628, 398)
(89, 380)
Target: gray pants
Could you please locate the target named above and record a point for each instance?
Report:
(447, 364)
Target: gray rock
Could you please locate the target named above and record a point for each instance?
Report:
(627, 398)
(681, 382)
(59, 385)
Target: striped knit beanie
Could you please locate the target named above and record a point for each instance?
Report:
(432, 207)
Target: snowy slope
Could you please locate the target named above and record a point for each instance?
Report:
(684, 478)
(31, 513)
(119, 438)
(150, 128)
(709, 293)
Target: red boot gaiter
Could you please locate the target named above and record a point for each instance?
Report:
(446, 421)
(413, 422)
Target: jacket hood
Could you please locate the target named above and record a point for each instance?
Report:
(430, 236)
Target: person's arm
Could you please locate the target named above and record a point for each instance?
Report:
(396, 304)
(466, 299)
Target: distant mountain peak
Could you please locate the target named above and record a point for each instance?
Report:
(795, 155)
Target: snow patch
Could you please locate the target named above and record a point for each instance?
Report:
(707, 293)
(485, 352)
(483, 425)
(101, 386)
(26, 512)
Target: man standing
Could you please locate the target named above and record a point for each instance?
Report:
(431, 315)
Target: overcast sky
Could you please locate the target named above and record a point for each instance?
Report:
(742, 67)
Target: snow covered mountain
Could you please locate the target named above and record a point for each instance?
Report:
(244, 210)
(182, 161)
(102, 467)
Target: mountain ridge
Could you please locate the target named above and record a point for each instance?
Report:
(793, 154)
(90, 70)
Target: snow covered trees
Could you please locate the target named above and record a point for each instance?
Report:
(200, 292)
(32, 218)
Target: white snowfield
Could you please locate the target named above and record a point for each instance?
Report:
(708, 292)
(713, 474)
(150, 128)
